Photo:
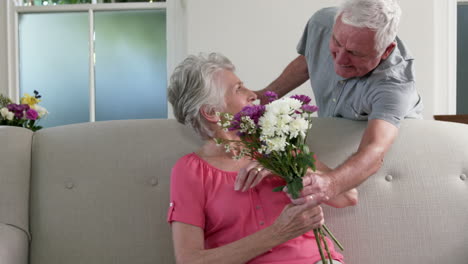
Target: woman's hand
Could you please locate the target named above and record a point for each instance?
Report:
(250, 176)
(296, 220)
(293, 221)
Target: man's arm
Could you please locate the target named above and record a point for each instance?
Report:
(295, 74)
(377, 139)
(344, 199)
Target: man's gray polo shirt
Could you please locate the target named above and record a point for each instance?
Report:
(388, 92)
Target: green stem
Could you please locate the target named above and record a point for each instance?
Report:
(333, 237)
(326, 245)
(319, 244)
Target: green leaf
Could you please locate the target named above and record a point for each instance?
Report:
(306, 149)
(279, 188)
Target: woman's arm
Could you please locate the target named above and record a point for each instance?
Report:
(295, 220)
(189, 246)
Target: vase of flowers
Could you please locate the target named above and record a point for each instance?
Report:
(25, 114)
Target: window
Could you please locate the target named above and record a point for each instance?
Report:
(68, 2)
(93, 62)
(462, 58)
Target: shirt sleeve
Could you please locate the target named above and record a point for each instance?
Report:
(317, 29)
(393, 102)
(301, 46)
(187, 198)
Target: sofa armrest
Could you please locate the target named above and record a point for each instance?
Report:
(13, 245)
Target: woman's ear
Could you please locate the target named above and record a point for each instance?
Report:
(209, 114)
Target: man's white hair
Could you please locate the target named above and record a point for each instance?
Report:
(382, 16)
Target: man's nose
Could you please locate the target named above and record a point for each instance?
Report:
(342, 57)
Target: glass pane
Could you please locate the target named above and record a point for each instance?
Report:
(129, 1)
(71, 2)
(53, 54)
(130, 65)
(51, 2)
(462, 59)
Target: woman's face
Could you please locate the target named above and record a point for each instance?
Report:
(237, 95)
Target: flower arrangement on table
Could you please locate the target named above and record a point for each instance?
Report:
(26, 114)
(275, 136)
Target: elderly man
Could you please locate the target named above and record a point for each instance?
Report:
(358, 70)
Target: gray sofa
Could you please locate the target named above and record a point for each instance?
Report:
(97, 193)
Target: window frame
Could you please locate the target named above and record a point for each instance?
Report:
(175, 37)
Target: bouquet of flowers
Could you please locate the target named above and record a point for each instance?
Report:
(274, 135)
(26, 114)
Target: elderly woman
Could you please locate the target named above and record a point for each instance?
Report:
(211, 221)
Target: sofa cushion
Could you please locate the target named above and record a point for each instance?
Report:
(414, 209)
(100, 191)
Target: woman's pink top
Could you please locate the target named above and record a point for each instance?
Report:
(204, 196)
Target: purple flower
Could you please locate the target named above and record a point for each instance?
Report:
(272, 96)
(309, 108)
(303, 98)
(31, 114)
(18, 109)
(252, 111)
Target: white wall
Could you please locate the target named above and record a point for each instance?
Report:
(3, 50)
(260, 37)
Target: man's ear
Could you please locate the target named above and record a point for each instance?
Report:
(209, 114)
(388, 50)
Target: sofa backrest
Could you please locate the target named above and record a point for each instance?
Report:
(415, 208)
(100, 191)
(15, 160)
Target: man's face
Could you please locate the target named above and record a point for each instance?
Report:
(353, 50)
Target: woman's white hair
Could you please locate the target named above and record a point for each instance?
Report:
(382, 16)
(194, 85)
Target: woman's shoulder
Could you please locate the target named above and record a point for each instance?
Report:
(192, 164)
(187, 162)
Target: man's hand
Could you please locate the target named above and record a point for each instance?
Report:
(319, 184)
(314, 184)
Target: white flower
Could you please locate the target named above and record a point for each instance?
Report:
(227, 148)
(278, 116)
(268, 122)
(41, 111)
(299, 126)
(4, 112)
(284, 106)
(275, 144)
(7, 114)
(283, 125)
(10, 116)
(247, 125)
